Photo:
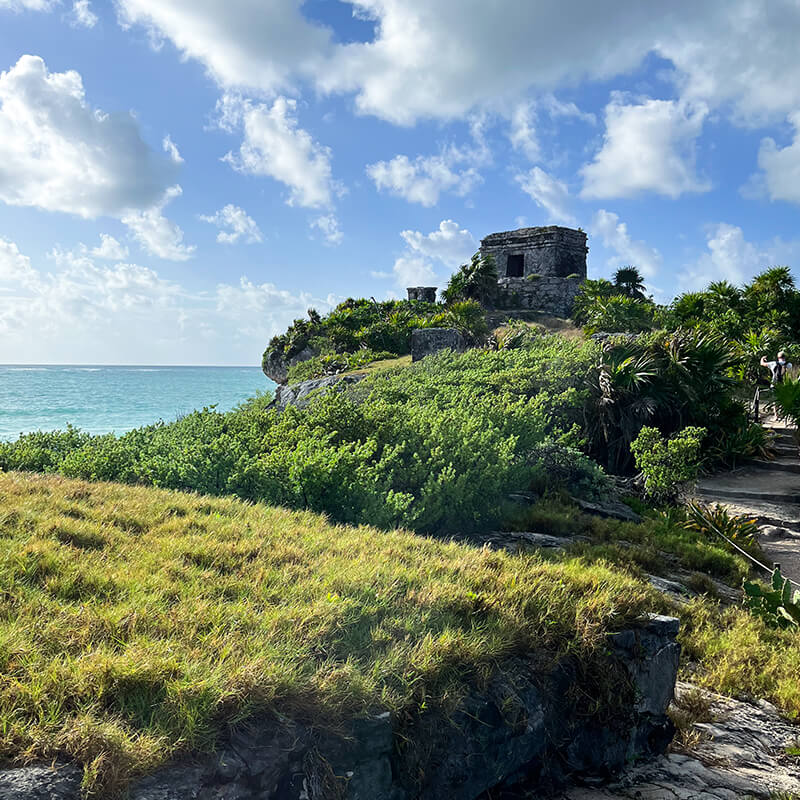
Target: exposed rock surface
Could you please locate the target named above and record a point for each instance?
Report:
(528, 723)
(740, 754)
(300, 394)
(276, 366)
(425, 341)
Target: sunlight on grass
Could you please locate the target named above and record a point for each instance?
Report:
(137, 623)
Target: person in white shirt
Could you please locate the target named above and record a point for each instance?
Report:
(778, 368)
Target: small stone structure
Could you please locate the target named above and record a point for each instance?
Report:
(425, 294)
(425, 341)
(539, 268)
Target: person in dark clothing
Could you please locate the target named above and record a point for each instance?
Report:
(778, 368)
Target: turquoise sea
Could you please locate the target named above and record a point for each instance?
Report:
(103, 399)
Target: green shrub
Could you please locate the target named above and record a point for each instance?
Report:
(334, 364)
(778, 605)
(474, 281)
(787, 396)
(667, 464)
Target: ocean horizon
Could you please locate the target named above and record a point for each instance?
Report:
(115, 398)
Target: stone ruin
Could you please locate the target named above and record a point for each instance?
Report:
(539, 269)
(424, 294)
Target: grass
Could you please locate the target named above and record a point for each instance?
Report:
(725, 648)
(136, 623)
(378, 366)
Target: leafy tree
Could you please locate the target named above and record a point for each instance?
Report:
(474, 281)
(630, 283)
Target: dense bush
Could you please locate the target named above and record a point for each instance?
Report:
(357, 332)
(434, 448)
(474, 281)
(667, 464)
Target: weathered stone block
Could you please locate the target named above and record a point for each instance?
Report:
(424, 294)
(425, 341)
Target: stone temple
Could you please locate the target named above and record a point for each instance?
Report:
(539, 269)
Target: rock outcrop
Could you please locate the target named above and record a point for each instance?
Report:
(276, 366)
(535, 721)
(300, 394)
(426, 341)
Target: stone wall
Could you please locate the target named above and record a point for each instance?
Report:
(424, 294)
(527, 724)
(550, 251)
(549, 294)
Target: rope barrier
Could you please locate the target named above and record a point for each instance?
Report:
(739, 549)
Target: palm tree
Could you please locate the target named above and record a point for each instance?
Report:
(630, 282)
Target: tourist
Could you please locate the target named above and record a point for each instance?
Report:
(778, 367)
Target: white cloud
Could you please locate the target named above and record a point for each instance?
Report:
(57, 153)
(245, 44)
(171, 149)
(328, 225)
(14, 266)
(109, 249)
(426, 177)
(425, 61)
(274, 146)
(155, 233)
(411, 270)
(28, 5)
(450, 244)
(522, 133)
(615, 236)
(731, 257)
(234, 224)
(648, 146)
(548, 193)
(781, 166)
(80, 311)
(82, 14)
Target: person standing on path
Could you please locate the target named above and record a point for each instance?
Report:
(778, 368)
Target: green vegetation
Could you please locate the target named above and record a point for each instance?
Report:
(666, 465)
(474, 281)
(778, 604)
(138, 624)
(787, 398)
(358, 332)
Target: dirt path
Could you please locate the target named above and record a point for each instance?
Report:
(769, 491)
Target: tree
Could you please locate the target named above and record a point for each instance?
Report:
(630, 283)
(474, 281)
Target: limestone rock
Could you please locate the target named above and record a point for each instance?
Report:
(62, 782)
(300, 394)
(425, 341)
(609, 508)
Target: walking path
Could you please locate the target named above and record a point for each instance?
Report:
(768, 490)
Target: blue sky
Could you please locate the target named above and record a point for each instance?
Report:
(179, 179)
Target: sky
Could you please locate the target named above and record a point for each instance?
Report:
(180, 179)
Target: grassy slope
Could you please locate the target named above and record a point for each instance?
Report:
(135, 622)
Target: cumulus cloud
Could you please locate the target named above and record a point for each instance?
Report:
(155, 233)
(328, 226)
(411, 270)
(423, 179)
(424, 61)
(108, 249)
(59, 154)
(276, 147)
(731, 257)
(781, 166)
(450, 244)
(548, 193)
(648, 147)
(81, 311)
(234, 224)
(244, 44)
(615, 236)
(82, 14)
